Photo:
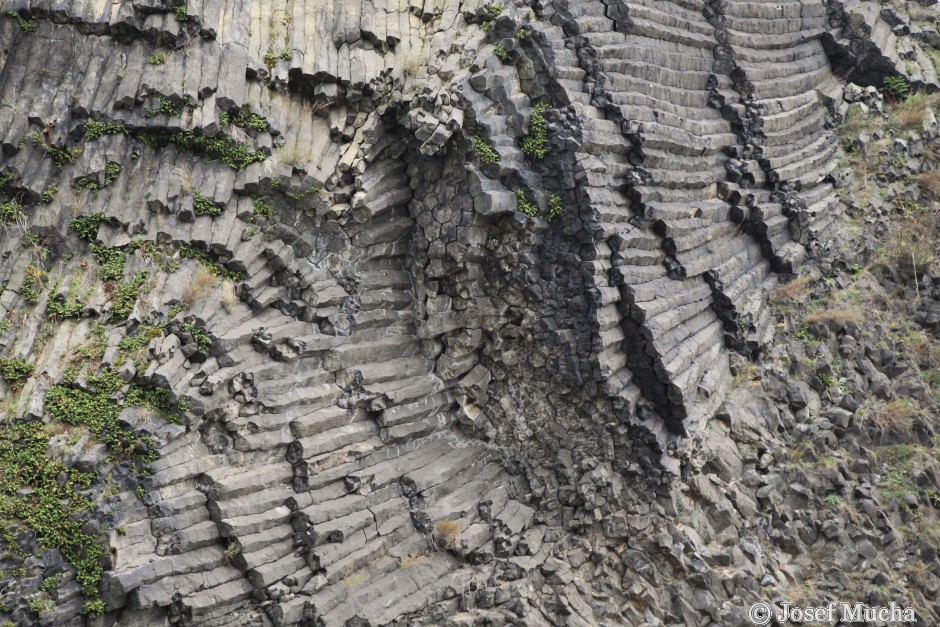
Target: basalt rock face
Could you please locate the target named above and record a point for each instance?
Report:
(408, 380)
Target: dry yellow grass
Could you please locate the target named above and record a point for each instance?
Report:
(895, 416)
(186, 183)
(413, 560)
(914, 238)
(356, 579)
(795, 290)
(229, 297)
(446, 534)
(930, 181)
(914, 110)
(841, 315)
(923, 348)
(199, 286)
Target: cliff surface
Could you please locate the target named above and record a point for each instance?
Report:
(319, 313)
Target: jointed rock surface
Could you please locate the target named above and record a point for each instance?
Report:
(416, 313)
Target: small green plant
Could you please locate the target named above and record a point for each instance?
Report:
(494, 10)
(65, 308)
(897, 86)
(166, 108)
(203, 206)
(49, 584)
(133, 345)
(60, 156)
(524, 205)
(263, 209)
(93, 608)
(33, 283)
(125, 297)
(11, 212)
(484, 151)
(203, 341)
(110, 260)
(87, 226)
(246, 119)
(181, 14)
(535, 144)
(111, 172)
(14, 371)
(555, 206)
(40, 604)
(303, 194)
(521, 34)
(270, 58)
(235, 155)
(833, 500)
(189, 251)
(501, 52)
(232, 551)
(25, 25)
(96, 130)
(49, 193)
(156, 59)
(121, 530)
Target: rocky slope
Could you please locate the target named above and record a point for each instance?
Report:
(456, 313)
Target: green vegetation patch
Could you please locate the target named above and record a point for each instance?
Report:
(203, 341)
(33, 283)
(235, 155)
(555, 207)
(167, 107)
(87, 226)
(46, 496)
(484, 151)
(187, 251)
(270, 58)
(68, 307)
(15, 371)
(31, 491)
(125, 297)
(301, 195)
(110, 260)
(246, 119)
(535, 144)
(524, 205)
(26, 25)
(49, 193)
(96, 130)
(10, 212)
(111, 172)
(60, 156)
(261, 208)
(204, 206)
(897, 86)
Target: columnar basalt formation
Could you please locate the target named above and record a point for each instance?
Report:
(385, 331)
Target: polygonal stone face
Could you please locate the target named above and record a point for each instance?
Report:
(344, 313)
